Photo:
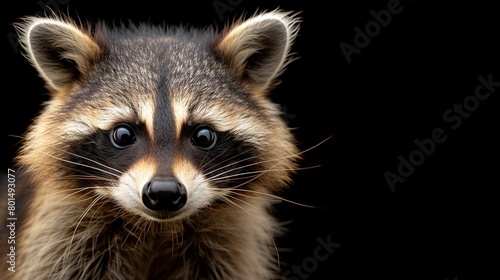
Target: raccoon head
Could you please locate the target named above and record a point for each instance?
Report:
(163, 123)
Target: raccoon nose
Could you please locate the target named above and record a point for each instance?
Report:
(164, 193)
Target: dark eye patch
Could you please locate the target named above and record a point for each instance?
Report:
(97, 159)
(229, 162)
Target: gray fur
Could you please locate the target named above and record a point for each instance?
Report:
(85, 218)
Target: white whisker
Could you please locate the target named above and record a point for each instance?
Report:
(268, 195)
(144, 231)
(131, 232)
(67, 253)
(213, 178)
(232, 163)
(219, 163)
(84, 165)
(227, 199)
(93, 161)
(264, 161)
(81, 190)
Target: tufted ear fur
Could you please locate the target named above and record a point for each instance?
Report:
(258, 49)
(60, 51)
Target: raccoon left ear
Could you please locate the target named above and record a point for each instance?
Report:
(258, 48)
(60, 51)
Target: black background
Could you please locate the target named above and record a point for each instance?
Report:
(440, 223)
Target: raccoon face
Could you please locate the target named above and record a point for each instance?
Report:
(161, 124)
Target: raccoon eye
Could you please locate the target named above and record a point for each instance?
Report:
(122, 136)
(204, 137)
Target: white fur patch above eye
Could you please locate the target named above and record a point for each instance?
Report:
(77, 129)
(223, 117)
(146, 110)
(180, 109)
(109, 117)
(232, 119)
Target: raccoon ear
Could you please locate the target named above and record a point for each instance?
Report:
(59, 50)
(258, 49)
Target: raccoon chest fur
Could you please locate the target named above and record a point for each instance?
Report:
(108, 247)
(159, 154)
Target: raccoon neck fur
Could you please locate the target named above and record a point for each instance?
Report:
(81, 242)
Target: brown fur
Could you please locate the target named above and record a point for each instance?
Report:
(102, 231)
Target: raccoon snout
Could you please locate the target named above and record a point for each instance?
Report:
(164, 193)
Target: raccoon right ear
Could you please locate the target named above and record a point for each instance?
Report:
(61, 52)
(258, 49)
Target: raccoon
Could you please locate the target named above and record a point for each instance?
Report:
(159, 154)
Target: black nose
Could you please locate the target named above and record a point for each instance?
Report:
(164, 193)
